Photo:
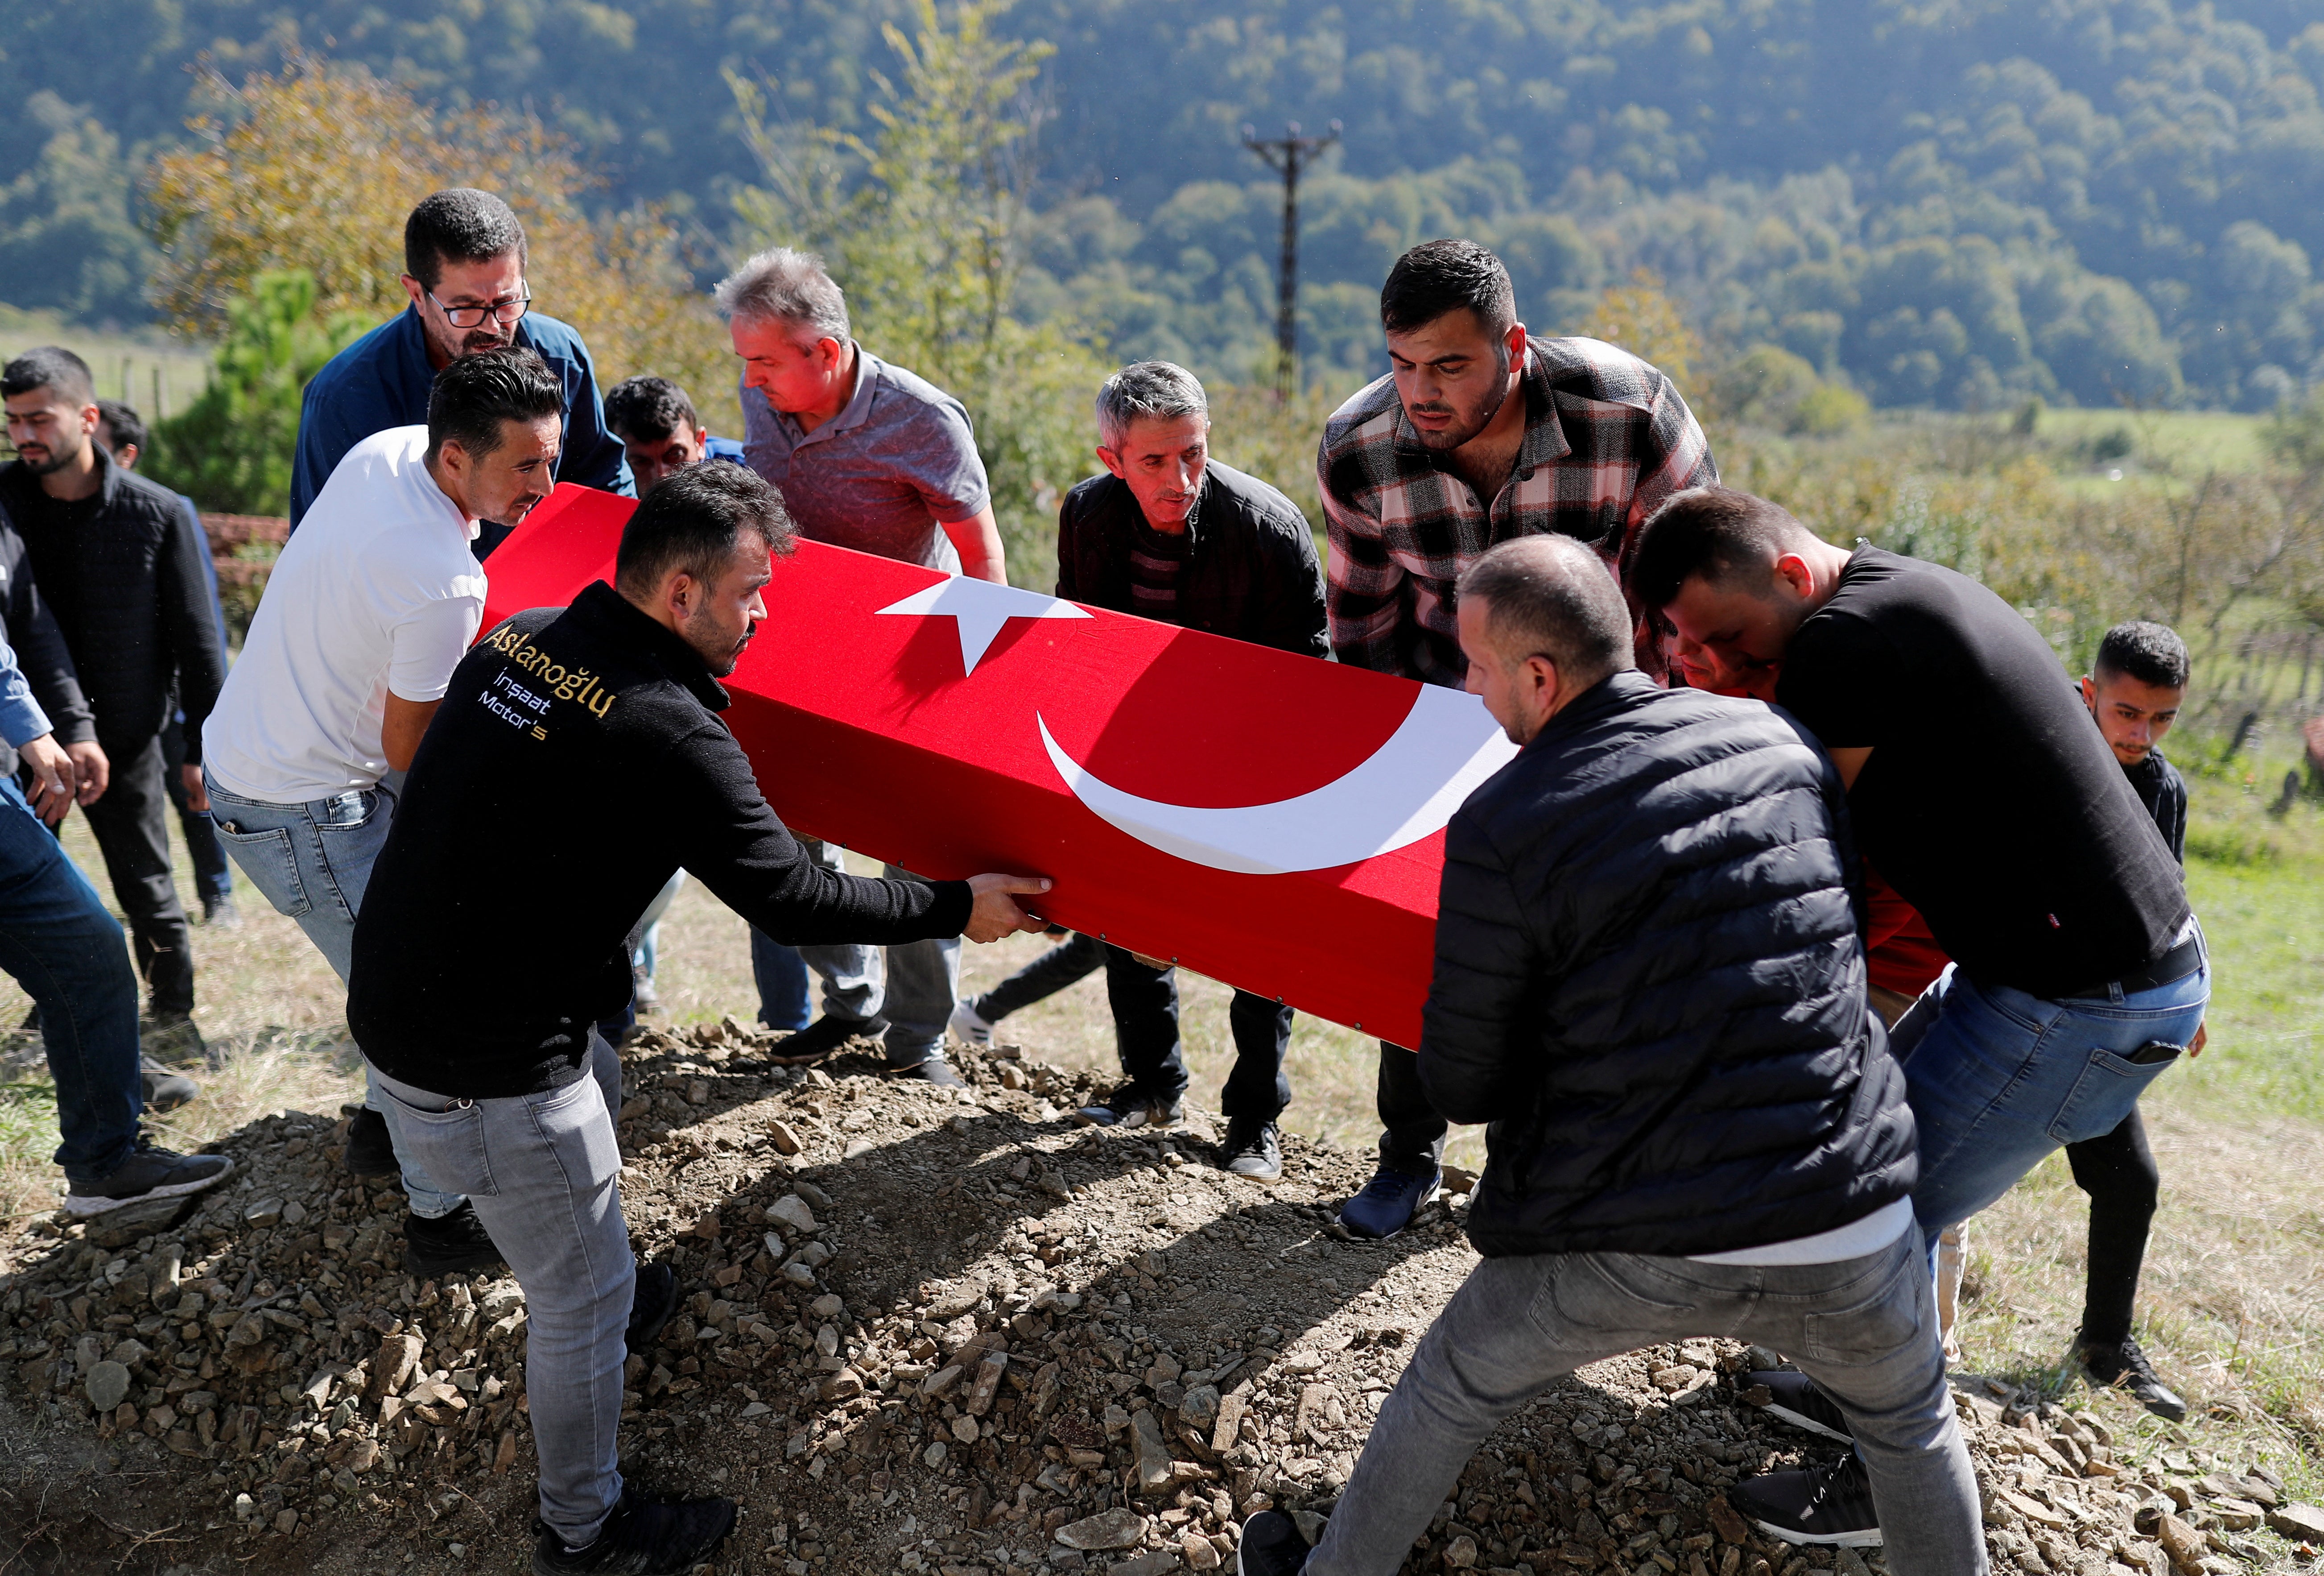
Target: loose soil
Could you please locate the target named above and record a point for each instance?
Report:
(944, 1332)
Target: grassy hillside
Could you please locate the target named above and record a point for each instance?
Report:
(1960, 204)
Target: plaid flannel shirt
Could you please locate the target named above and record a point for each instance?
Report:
(1607, 438)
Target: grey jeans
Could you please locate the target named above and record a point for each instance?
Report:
(312, 861)
(915, 991)
(542, 1171)
(1864, 1328)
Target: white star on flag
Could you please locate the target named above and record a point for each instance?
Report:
(980, 607)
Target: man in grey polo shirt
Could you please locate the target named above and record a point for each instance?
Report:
(870, 457)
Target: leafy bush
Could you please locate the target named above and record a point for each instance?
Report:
(230, 450)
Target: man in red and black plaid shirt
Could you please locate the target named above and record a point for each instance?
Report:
(1480, 433)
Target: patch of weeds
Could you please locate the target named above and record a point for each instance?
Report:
(2233, 845)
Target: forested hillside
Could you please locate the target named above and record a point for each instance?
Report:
(1951, 202)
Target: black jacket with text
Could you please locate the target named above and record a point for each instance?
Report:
(576, 760)
(124, 574)
(1250, 569)
(1650, 981)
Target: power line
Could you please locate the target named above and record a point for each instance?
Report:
(1288, 154)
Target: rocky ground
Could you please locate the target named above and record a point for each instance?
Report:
(943, 1332)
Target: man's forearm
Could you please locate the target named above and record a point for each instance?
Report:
(977, 539)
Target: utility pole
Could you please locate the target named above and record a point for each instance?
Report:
(1288, 153)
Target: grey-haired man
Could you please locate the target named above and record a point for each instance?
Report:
(870, 456)
(1169, 533)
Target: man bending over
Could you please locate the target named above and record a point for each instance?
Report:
(2078, 973)
(481, 1040)
(1648, 980)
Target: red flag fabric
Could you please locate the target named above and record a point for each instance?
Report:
(1271, 821)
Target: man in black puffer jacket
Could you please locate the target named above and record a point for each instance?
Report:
(1650, 981)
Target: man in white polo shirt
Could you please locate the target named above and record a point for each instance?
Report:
(370, 608)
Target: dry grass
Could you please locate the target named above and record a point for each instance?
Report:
(2231, 1304)
(271, 1008)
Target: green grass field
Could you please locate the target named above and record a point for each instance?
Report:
(145, 369)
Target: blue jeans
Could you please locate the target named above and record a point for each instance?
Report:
(544, 1173)
(1997, 1078)
(58, 942)
(1865, 1329)
(782, 975)
(312, 862)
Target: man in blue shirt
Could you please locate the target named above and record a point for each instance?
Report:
(660, 431)
(464, 256)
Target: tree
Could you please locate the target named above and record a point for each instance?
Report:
(1642, 318)
(66, 240)
(924, 226)
(231, 449)
(314, 168)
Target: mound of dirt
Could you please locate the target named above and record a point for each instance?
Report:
(943, 1332)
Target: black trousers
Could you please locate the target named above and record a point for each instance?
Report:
(1412, 1136)
(131, 823)
(212, 876)
(1145, 1002)
(2118, 1174)
(1069, 962)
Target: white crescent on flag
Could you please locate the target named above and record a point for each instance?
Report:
(1445, 747)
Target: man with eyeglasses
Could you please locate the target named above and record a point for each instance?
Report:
(463, 258)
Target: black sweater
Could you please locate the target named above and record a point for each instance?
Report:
(124, 574)
(1250, 569)
(576, 762)
(1650, 981)
(28, 626)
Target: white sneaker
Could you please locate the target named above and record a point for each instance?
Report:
(966, 1027)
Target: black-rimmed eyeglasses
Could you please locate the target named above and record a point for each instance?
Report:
(503, 312)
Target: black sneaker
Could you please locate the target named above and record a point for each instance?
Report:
(1131, 1106)
(1798, 1401)
(220, 915)
(449, 1245)
(1389, 1202)
(370, 1152)
(1253, 1148)
(165, 1090)
(646, 1535)
(1270, 1546)
(2124, 1366)
(820, 1038)
(148, 1172)
(651, 1303)
(933, 1069)
(1830, 1504)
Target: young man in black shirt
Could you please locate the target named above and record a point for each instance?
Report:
(498, 855)
(2079, 972)
(2134, 689)
(1171, 535)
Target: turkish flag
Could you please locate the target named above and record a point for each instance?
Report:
(1270, 821)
